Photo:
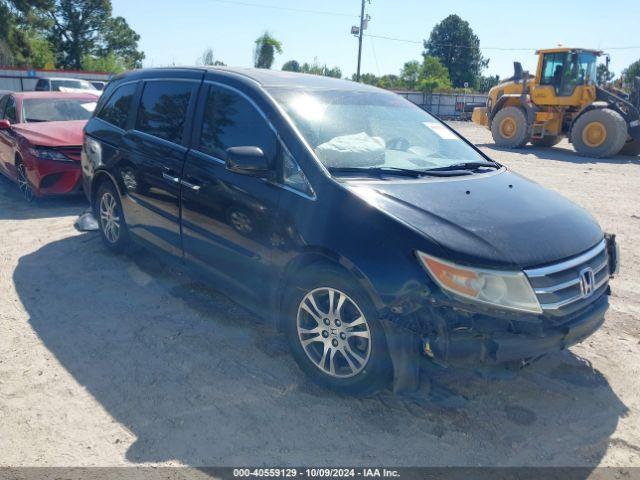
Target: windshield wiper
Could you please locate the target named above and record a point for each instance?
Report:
(405, 172)
(466, 166)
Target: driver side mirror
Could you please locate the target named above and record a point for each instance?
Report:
(247, 161)
(5, 124)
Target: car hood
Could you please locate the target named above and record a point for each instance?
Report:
(495, 219)
(52, 134)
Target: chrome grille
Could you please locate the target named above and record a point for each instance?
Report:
(568, 286)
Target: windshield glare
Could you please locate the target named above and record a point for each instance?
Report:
(362, 129)
(56, 110)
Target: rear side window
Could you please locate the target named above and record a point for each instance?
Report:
(41, 85)
(231, 121)
(163, 109)
(116, 110)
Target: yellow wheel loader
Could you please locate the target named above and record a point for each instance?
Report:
(562, 100)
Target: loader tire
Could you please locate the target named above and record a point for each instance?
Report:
(548, 141)
(509, 128)
(599, 133)
(632, 148)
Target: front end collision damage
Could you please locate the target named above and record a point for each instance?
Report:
(427, 324)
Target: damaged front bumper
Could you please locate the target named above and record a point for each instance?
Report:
(451, 333)
(464, 347)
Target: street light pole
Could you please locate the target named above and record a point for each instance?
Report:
(360, 40)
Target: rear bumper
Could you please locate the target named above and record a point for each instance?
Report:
(501, 347)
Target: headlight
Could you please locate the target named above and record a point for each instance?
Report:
(504, 289)
(49, 154)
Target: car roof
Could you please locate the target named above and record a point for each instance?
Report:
(63, 78)
(261, 76)
(25, 95)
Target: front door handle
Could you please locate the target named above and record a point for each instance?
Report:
(170, 177)
(190, 185)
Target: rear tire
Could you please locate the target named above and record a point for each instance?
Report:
(632, 148)
(348, 350)
(113, 227)
(548, 141)
(599, 133)
(509, 128)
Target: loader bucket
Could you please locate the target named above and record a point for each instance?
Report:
(480, 116)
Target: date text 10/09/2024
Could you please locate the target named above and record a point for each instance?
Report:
(316, 472)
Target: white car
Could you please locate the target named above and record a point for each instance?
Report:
(71, 85)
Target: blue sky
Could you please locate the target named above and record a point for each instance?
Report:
(179, 31)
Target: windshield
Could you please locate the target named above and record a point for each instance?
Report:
(56, 110)
(76, 84)
(357, 130)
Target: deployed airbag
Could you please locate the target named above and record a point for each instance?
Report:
(357, 150)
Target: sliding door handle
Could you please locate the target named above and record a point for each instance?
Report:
(170, 177)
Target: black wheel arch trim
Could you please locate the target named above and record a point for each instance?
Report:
(312, 256)
(98, 177)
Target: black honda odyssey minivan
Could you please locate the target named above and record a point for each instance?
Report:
(362, 227)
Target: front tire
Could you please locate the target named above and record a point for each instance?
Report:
(599, 133)
(113, 228)
(24, 184)
(334, 334)
(509, 128)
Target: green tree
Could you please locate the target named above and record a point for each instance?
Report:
(42, 53)
(410, 74)
(631, 72)
(17, 20)
(207, 59)
(367, 78)
(265, 50)
(433, 75)
(390, 82)
(291, 66)
(86, 27)
(108, 63)
(603, 75)
(313, 68)
(458, 48)
(119, 39)
(486, 83)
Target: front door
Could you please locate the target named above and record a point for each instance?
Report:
(228, 218)
(156, 150)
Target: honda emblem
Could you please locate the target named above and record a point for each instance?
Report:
(587, 281)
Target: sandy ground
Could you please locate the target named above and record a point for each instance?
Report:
(114, 360)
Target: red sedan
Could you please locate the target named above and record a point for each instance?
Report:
(41, 138)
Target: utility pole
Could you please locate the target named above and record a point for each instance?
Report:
(360, 32)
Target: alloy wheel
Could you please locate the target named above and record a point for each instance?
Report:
(23, 183)
(334, 332)
(241, 222)
(109, 217)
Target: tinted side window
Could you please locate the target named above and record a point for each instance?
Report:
(10, 110)
(163, 109)
(116, 110)
(41, 85)
(231, 121)
(3, 102)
